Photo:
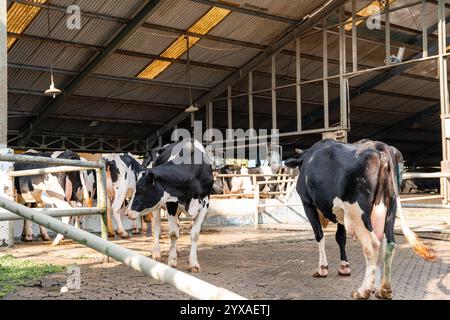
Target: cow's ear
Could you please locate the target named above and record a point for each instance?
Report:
(294, 162)
(149, 177)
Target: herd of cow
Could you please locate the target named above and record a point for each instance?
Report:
(354, 185)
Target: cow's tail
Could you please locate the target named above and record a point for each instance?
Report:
(395, 205)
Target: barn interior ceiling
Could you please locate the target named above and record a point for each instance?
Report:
(123, 73)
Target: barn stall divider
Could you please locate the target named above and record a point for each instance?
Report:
(182, 281)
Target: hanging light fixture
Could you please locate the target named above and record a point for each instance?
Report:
(52, 91)
(192, 108)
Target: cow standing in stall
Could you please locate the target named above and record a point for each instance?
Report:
(181, 184)
(357, 187)
(60, 190)
(122, 173)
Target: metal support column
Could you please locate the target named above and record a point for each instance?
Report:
(388, 33)
(250, 101)
(229, 109)
(342, 69)
(101, 198)
(210, 115)
(325, 76)
(424, 32)
(444, 99)
(274, 93)
(6, 183)
(298, 87)
(354, 38)
(3, 76)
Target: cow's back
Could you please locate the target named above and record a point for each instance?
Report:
(331, 169)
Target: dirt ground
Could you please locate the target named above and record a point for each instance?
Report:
(268, 263)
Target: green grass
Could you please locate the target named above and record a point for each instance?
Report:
(15, 272)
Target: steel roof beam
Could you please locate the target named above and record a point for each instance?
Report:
(237, 8)
(196, 63)
(305, 24)
(93, 65)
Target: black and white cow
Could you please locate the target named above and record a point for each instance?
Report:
(180, 186)
(122, 173)
(60, 190)
(357, 186)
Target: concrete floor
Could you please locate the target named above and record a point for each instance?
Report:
(269, 263)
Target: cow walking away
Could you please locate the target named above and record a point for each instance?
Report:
(357, 187)
(180, 186)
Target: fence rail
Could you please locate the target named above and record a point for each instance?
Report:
(186, 283)
(61, 165)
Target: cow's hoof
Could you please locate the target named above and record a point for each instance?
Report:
(172, 264)
(321, 273)
(361, 296)
(46, 238)
(27, 238)
(344, 271)
(156, 256)
(55, 244)
(135, 231)
(195, 269)
(385, 294)
(124, 235)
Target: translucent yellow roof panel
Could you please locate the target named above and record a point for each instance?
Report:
(370, 9)
(19, 17)
(179, 47)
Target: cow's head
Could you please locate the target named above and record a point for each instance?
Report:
(147, 196)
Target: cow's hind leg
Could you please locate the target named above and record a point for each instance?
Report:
(313, 217)
(27, 231)
(174, 232)
(341, 239)
(156, 224)
(385, 291)
(195, 232)
(370, 245)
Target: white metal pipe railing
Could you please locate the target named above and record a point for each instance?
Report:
(186, 283)
(34, 172)
(5, 215)
(49, 161)
(64, 165)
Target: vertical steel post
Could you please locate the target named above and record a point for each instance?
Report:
(424, 32)
(298, 87)
(229, 112)
(388, 32)
(3, 76)
(342, 69)
(101, 198)
(257, 196)
(444, 96)
(354, 38)
(325, 76)
(274, 93)
(250, 101)
(6, 184)
(210, 115)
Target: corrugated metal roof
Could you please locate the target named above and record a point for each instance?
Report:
(182, 14)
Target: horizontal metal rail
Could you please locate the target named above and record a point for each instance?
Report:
(421, 198)
(34, 172)
(186, 283)
(425, 175)
(425, 205)
(49, 161)
(6, 215)
(265, 205)
(250, 175)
